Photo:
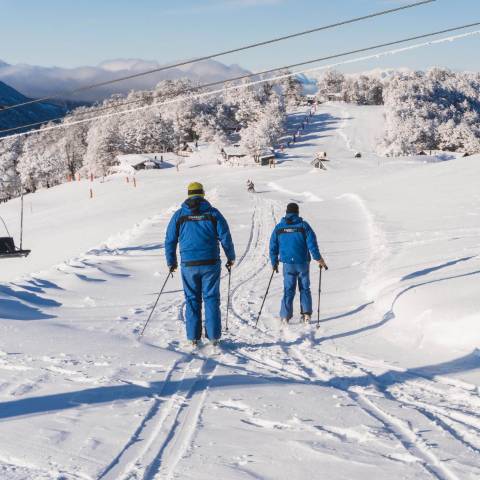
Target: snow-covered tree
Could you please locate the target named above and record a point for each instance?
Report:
(264, 133)
(74, 145)
(363, 90)
(330, 83)
(10, 150)
(103, 145)
(292, 89)
(146, 131)
(247, 106)
(438, 109)
(42, 162)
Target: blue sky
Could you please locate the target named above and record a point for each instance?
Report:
(85, 32)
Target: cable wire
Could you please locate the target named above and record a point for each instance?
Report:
(219, 54)
(264, 80)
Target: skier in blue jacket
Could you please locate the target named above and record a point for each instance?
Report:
(199, 228)
(294, 243)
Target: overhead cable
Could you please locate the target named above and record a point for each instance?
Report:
(92, 86)
(256, 82)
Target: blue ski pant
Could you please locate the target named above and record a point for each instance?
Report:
(293, 274)
(202, 282)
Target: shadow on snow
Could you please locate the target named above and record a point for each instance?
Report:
(114, 393)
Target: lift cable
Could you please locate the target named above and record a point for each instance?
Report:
(190, 90)
(216, 55)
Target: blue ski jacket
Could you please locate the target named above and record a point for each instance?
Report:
(293, 240)
(198, 227)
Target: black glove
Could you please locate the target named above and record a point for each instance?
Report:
(229, 264)
(322, 264)
(275, 268)
(173, 268)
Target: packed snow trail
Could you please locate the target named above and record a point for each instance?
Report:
(83, 397)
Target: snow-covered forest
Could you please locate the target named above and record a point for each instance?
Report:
(434, 110)
(48, 157)
(438, 110)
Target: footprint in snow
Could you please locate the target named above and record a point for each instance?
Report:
(235, 405)
(267, 424)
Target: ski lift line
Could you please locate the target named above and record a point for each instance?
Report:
(220, 54)
(392, 52)
(381, 54)
(238, 87)
(256, 82)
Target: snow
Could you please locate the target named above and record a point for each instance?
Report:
(127, 163)
(234, 151)
(388, 387)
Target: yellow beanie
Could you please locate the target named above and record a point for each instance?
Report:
(195, 189)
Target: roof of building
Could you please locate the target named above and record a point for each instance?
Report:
(234, 151)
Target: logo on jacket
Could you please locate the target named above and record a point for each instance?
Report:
(291, 230)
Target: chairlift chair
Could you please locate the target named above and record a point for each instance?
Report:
(7, 244)
(9, 250)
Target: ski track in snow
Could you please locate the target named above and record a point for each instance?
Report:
(400, 429)
(168, 430)
(170, 444)
(168, 427)
(434, 421)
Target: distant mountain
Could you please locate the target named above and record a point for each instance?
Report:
(38, 112)
(38, 82)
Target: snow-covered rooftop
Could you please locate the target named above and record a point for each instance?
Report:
(233, 151)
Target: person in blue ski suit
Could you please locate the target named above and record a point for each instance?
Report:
(294, 243)
(199, 228)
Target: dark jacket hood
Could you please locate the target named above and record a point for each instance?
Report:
(292, 218)
(196, 205)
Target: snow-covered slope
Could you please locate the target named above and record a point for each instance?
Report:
(388, 387)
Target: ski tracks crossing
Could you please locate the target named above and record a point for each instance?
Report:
(401, 413)
(166, 432)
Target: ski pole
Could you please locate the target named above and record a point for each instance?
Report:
(158, 298)
(229, 268)
(319, 295)
(264, 298)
